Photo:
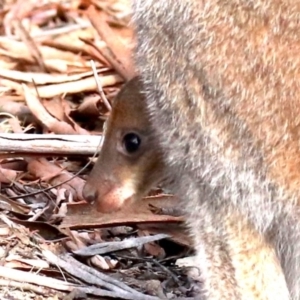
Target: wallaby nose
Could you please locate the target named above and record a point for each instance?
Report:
(89, 194)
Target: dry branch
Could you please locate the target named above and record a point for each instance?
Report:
(55, 145)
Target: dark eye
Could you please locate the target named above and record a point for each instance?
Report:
(131, 142)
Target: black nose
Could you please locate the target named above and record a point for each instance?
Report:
(89, 194)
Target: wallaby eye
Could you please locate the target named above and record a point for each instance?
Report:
(131, 142)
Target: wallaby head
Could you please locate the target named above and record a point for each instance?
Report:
(129, 162)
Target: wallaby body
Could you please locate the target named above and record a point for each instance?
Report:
(222, 88)
(239, 263)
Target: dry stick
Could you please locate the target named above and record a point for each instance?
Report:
(124, 68)
(45, 34)
(167, 270)
(92, 276)
(93, 50)
(43, 79)
(54, 145)
(34, 50)
(87, 84)
(99, 86)
(36, 279)
(27, 287)
(106, 247)
(34, 103)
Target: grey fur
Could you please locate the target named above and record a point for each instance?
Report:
(199, 71)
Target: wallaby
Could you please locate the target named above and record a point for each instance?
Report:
(240, 264)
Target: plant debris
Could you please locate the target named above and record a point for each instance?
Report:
(61, 65)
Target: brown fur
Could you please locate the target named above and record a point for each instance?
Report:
(222, 86)
(242, 266)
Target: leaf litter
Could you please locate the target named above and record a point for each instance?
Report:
(53, 245)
